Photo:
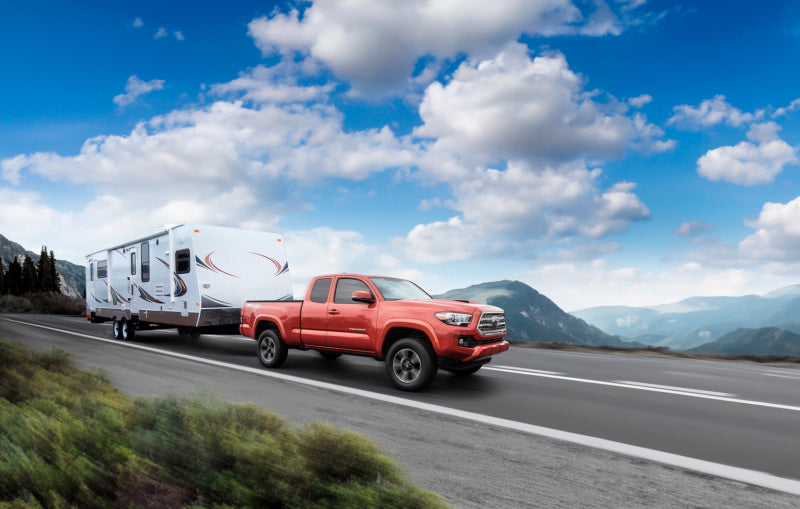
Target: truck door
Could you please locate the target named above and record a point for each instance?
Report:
(314, 314)
(351, 324)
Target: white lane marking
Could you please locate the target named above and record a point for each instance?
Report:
(651, 389)
(782, 376)
(678, 389)
(744, 475)
(522, 370)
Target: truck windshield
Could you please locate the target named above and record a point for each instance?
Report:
(398, 289)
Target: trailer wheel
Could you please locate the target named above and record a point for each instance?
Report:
(411, 365)
(272, 350)
(127, 329)
(116, 329)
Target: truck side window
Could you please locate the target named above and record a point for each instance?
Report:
(102, 269)
(182, 261)
(319, 293)
(345, 288)
(145, 254)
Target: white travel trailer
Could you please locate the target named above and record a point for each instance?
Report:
(191, 276)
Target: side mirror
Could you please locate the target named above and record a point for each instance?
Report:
(362, 296)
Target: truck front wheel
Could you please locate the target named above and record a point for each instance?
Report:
(410, 365)
(272, 350)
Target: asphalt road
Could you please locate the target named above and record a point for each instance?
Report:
(736, 414)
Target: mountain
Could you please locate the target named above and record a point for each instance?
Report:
(698, 320)
(73, 277)
(530, 316)
(763, 341)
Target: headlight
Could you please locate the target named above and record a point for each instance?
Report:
(457, 319)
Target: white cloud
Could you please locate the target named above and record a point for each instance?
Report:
(781, 112)
(160, 33)
(712, 112)
(375, 44)
(328, 251)
(135, 88)
(692, 228)
(515, 107)
(137, 23)
(777, 235)
(521, 208)
(275, 84)
(178, 35)
(749, 163)
(640, 101)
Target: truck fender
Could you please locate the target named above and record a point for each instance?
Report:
(279, 325)
(419, 325)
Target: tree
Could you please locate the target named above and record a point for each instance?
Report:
(44, 283)
(2, 277)
(55, 278)
(13, 279)
(29, 277)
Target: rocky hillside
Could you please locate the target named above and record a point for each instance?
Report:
(73, 277)
(530, 316)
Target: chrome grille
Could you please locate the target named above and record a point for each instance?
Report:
(492, 323)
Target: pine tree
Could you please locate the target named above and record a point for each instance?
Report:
(44, 283)
(2, 277)
(13, 279)
(29, 277)
(55, 278)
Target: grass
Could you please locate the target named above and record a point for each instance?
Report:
(658, 350)
(70, 439)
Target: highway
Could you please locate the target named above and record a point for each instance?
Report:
(538, 428)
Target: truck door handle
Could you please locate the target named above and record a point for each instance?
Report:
(333, 312)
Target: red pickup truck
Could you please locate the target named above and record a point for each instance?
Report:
(385, 318)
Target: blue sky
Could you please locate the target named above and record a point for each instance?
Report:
(604, 152)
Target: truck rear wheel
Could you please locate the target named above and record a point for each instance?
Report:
(272, 350)
(411, 365)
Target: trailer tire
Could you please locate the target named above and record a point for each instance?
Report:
(272, 350)
(116, 329)
(127, 329)
(411, 364)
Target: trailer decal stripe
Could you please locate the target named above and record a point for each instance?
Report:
(278, 268)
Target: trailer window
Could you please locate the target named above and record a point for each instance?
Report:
(133, 263)
(345, 288)
(182, 261)
(102, 269)
(91, 271)
(320, 291)
(145, 253)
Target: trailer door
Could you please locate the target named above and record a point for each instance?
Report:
(133, 259)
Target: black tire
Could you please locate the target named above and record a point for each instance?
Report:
(116, 329)
(272, 350)
(465, 371)
(328, 355)
(127, 329)
(411, 364)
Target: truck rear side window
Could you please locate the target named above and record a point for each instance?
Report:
(319, 293)
(345, 288)
(102, 269)
(183, 261)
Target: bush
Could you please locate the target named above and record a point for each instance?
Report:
(69, 439)
(44, 303)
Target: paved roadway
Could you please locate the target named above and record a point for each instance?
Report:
(736, 414)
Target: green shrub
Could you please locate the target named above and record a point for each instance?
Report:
(69, 439)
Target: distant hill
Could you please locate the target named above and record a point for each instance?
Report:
(530, 316)
(698, 320)
(73, 277)
(763, 341)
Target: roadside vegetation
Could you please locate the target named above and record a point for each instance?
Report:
(70, 439)
(658, 350)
